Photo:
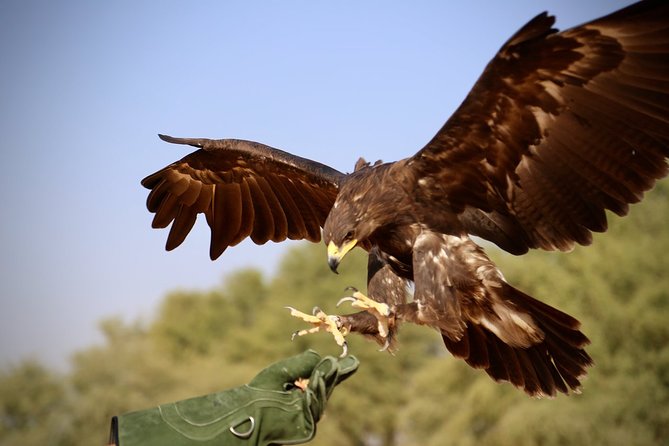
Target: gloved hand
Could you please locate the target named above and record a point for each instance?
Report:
(271, 409)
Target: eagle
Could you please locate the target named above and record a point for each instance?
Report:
(559, 128)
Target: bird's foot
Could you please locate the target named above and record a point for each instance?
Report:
(322, 322)
(381, 312)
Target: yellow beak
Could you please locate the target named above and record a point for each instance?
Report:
(336, 253)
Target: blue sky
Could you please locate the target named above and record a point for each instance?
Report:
(85, 86)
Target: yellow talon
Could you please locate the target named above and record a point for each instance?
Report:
(312, 319)
(380, 310)
(322, 321)
(359, 300)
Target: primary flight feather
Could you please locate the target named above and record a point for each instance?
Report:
(559, 128)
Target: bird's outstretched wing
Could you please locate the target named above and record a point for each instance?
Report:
(558, 128)
(244, 189)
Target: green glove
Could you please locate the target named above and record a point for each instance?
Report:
(271, 409)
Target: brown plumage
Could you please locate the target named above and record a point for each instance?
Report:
(560, 127)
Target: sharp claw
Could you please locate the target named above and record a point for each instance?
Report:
(346, 299)
(321, 322)
(351, 288)
(344, 348)
(386, 345)
(359, 300)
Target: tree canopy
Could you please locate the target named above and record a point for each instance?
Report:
(203, 341)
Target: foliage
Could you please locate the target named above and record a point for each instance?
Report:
(204, 341)
(31, 405)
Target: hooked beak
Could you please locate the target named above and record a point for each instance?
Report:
(336, 253)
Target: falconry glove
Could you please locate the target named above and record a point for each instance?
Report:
(281, 405)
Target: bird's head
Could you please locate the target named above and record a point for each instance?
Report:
(355, 216)
(341, 236)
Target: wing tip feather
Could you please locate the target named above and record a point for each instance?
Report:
(195, 142)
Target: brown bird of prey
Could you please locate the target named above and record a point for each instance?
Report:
(559, 128)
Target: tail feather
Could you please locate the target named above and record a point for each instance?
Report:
(479, 356)
(565, 335)
(556, 363)
(538, 308)
(543, 371)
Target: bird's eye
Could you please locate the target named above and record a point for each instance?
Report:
(348, 236)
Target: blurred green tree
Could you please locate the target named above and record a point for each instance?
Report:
(32, 406)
